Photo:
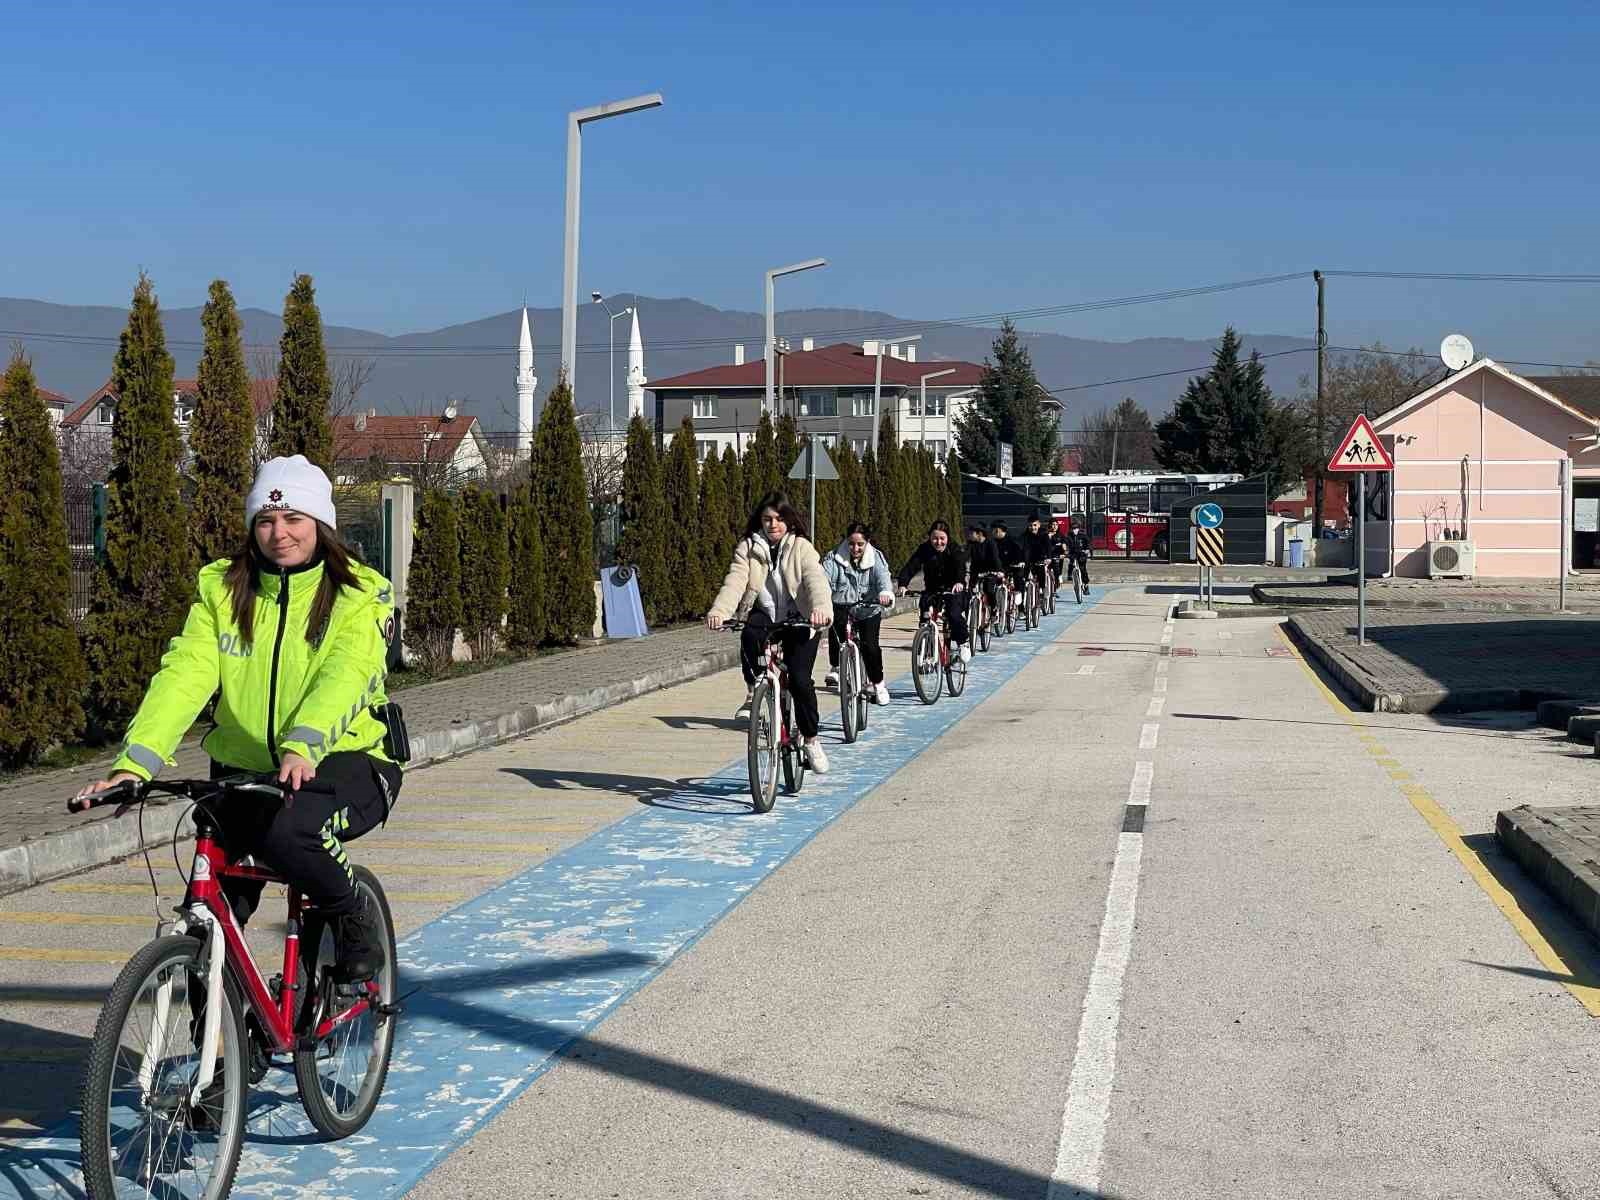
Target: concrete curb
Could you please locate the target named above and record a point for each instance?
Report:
(1268, 594)
(1556, 860)
(109, 838)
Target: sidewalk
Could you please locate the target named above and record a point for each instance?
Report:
(39, 840)
(1437, 595)
(1560, 847)
(1454, 661)
(1110, 569)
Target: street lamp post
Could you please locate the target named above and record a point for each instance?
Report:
(808, 265)
(611, 362)
(922, 436)
(877, 387)
(576, 120)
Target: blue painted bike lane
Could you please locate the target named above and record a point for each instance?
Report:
(508, 979)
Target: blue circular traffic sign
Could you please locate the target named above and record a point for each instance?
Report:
(1207, 516)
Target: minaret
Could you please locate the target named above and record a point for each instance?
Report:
(527, 381)
(636, 377)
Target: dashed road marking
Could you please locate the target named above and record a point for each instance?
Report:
(77, 918)
(1086, 669)
(1148, 736)
(1161, 683)
(61, 954)
(1155, 707)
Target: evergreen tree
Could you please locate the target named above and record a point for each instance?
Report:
(1227, 420)
(565, 524)
(525, 621)
(300, 413)
(433, 597)
(716, 545)
(871, 510)
(221, 431)
(145, 580)
(485, 568)
(889, 515)
(761, 471)
(1120, 438)
(42, 674)
(738, 510)
(685, 564)
(1010, 406)
(952, 477)
(642, 542)
(786, 446)
(852, 489)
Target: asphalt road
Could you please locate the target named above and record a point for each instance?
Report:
(1156, 917)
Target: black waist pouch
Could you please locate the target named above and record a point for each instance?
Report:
(396, 742)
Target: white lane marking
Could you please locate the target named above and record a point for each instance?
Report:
(1155, 707)
(1222, 633)
(1083, 1123)
(1049, 648)
(1139, 789)
(1161, 683)
(1148, 735)
(1162, 664)
(1166, 638)
(1086, 669)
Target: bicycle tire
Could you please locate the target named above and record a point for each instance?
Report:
(794, 755)
(955, 675)
(224, 1125)
(926, 674)
(1050, 595)
(862, 708)
(761, 742)
(1077, 584)
(1035, 607)
(849, 693)
(982, 634)
(312, 1083)
(1011, 615)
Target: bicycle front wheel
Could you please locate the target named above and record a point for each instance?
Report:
(1011, 615)
(849, 692)
(926, 672)
(141, 1134)
(794, 755)
(761, 755)
(1077, 584)
(341, 1078)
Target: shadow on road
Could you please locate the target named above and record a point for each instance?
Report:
(1566, 937)
(691, 723)
(1388, 729)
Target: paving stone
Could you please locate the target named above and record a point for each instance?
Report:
(1560, 847)
(1554, 714)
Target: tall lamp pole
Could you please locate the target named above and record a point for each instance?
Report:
(791, 269)
(576, 120)
(877, 384)
(611, 362)
(922, 387)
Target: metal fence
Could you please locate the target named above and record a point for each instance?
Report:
(85, 511)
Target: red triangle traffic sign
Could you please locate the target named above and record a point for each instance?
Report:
(1360, 450)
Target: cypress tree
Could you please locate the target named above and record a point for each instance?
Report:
(871, 510)
(485, 568)
(717, 545)
(525, 623)
(785, 447)
(889, 515)
(762, 473)
(684, 540)
(222, 430)
(145, 580)
(738, 509)
(565, 524)
(642, 542)
(952, 480)
(851, 489)
(433, 600)
(300, 413)
(42, 674)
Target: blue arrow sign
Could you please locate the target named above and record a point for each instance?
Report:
(1207, 516)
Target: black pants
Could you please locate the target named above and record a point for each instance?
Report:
(955, 615)
(866, 638)
(302, 836)
(1083, 567)
(799, 657)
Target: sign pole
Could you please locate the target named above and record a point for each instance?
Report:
(811, 482)
(1566, 535)
(1361, 558)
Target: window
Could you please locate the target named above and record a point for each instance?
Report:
(104, 414)
(940, 449)
(1131, 497)
(861, 405)
(705, 407)
(819, 403)
(704, 448)
(859, 445)
(830, 440)
(936, 406)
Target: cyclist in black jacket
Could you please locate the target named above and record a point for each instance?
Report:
(944, 573)
(984, 568)
(1078, 546)
(1036, 548)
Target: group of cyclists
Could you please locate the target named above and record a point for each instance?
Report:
(778, 584)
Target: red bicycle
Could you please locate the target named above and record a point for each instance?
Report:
(190, 1023)
(935, 663)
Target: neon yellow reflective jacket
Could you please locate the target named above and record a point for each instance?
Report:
(279, 694)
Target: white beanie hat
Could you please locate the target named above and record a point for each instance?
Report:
(294, 484)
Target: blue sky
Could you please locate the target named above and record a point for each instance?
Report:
(947, 159)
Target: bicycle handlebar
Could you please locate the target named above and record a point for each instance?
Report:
(129, 791)
(796, 623)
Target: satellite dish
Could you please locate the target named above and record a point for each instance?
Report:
(449, 412)
(1456, 351)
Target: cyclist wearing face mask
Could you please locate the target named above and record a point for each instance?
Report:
(858, 574)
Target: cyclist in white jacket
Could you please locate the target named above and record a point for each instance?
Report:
(858, 574)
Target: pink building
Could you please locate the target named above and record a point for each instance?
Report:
(1486, 463)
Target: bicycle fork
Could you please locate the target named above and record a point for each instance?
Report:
(211, 1028)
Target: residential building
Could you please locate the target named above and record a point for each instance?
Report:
(56, 405)
(445, 450)
(829, 390)
(98, 410)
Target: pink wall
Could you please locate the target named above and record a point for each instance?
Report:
(1512, 478)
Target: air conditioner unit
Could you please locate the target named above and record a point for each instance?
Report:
(1446, 559)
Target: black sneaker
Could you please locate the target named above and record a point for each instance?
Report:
(360, 954)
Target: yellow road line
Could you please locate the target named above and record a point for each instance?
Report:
(473, 847)
(1448, 832)
(47, 1054)
(143, 889)
(62, 954)
(77, 918)
(54, 999)
(466, 824)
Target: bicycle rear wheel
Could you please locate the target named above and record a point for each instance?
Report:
(341, 1078)
(1034, 612)
(1050, 594)
(140, 1134)
(955, 673)
(794, 755)
(975, 622)
(849, 692)
(1077, 584)
(1011, 614)
(761, 754)
(926, 672)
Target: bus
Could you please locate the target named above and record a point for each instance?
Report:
(1125, 512)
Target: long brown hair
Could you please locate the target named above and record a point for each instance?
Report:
(240, 580)
(779, 502)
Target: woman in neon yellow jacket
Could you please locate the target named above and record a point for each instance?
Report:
(292, 637)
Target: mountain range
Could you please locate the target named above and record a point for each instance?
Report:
(473, 364)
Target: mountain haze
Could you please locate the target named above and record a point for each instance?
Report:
(473, 364)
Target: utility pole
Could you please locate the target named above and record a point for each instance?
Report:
(1322, 450)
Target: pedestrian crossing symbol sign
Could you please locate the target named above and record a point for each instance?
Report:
(1360, 450)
